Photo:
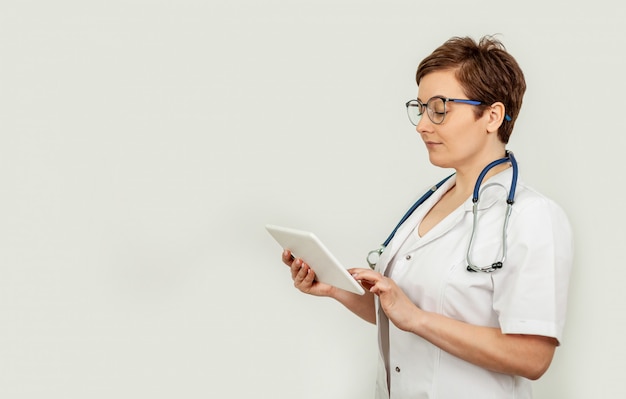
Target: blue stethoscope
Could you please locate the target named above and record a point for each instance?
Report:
(373, 256)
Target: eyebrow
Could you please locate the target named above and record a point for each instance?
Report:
(436, 95)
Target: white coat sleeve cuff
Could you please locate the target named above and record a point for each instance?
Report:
(530, 327)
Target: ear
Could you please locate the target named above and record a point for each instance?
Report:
(496, 113)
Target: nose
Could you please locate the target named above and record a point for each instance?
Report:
(424, 125)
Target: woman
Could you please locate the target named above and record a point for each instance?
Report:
(446, 331)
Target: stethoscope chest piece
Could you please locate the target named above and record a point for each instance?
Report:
(373, 256)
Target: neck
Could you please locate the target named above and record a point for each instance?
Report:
(466, 178)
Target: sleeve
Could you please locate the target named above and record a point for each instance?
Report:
(531, 296)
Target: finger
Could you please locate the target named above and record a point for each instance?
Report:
(382, 286)
(373, 281)
(296, 266)
(310, 275)
(304, 277)
(288, 257)
(370, 276)
(300, 269)
(363, 272)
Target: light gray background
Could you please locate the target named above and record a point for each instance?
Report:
(145, 144)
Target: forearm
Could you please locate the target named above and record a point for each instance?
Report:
(361, 305)
(524, 355)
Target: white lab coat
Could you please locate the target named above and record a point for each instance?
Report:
(527, 296)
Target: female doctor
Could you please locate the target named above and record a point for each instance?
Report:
(447, 330)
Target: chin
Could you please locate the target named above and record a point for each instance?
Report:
(438, 161)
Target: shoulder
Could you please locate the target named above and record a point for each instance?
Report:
(535, 209)
(528, 197)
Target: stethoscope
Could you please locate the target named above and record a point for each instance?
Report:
(374, 255)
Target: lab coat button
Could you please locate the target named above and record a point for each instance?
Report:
(408, 257)
(397, 369)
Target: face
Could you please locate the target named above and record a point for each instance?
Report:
(460, 141)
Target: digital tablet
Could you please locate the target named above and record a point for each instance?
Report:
(309, 248)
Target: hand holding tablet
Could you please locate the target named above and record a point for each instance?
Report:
(308, 247)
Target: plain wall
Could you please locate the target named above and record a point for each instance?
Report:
(145, 144)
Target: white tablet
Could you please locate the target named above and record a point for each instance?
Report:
(308, 247)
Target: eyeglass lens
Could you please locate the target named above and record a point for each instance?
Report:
(436, 108)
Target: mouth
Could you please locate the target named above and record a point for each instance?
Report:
(431, 143)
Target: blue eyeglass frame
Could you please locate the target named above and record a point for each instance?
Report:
(421, 106)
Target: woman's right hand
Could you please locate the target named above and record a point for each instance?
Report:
(304, 277)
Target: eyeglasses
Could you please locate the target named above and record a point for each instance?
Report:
(435, 107)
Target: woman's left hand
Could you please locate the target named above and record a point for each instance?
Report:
(394, 302)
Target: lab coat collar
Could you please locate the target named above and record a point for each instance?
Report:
(412, 222)
(492, 190)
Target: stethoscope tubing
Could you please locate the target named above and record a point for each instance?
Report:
(471, 267)
(475, 198)
(379, 251)
(508, 158)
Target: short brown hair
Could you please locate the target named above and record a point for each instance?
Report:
(485, 70)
